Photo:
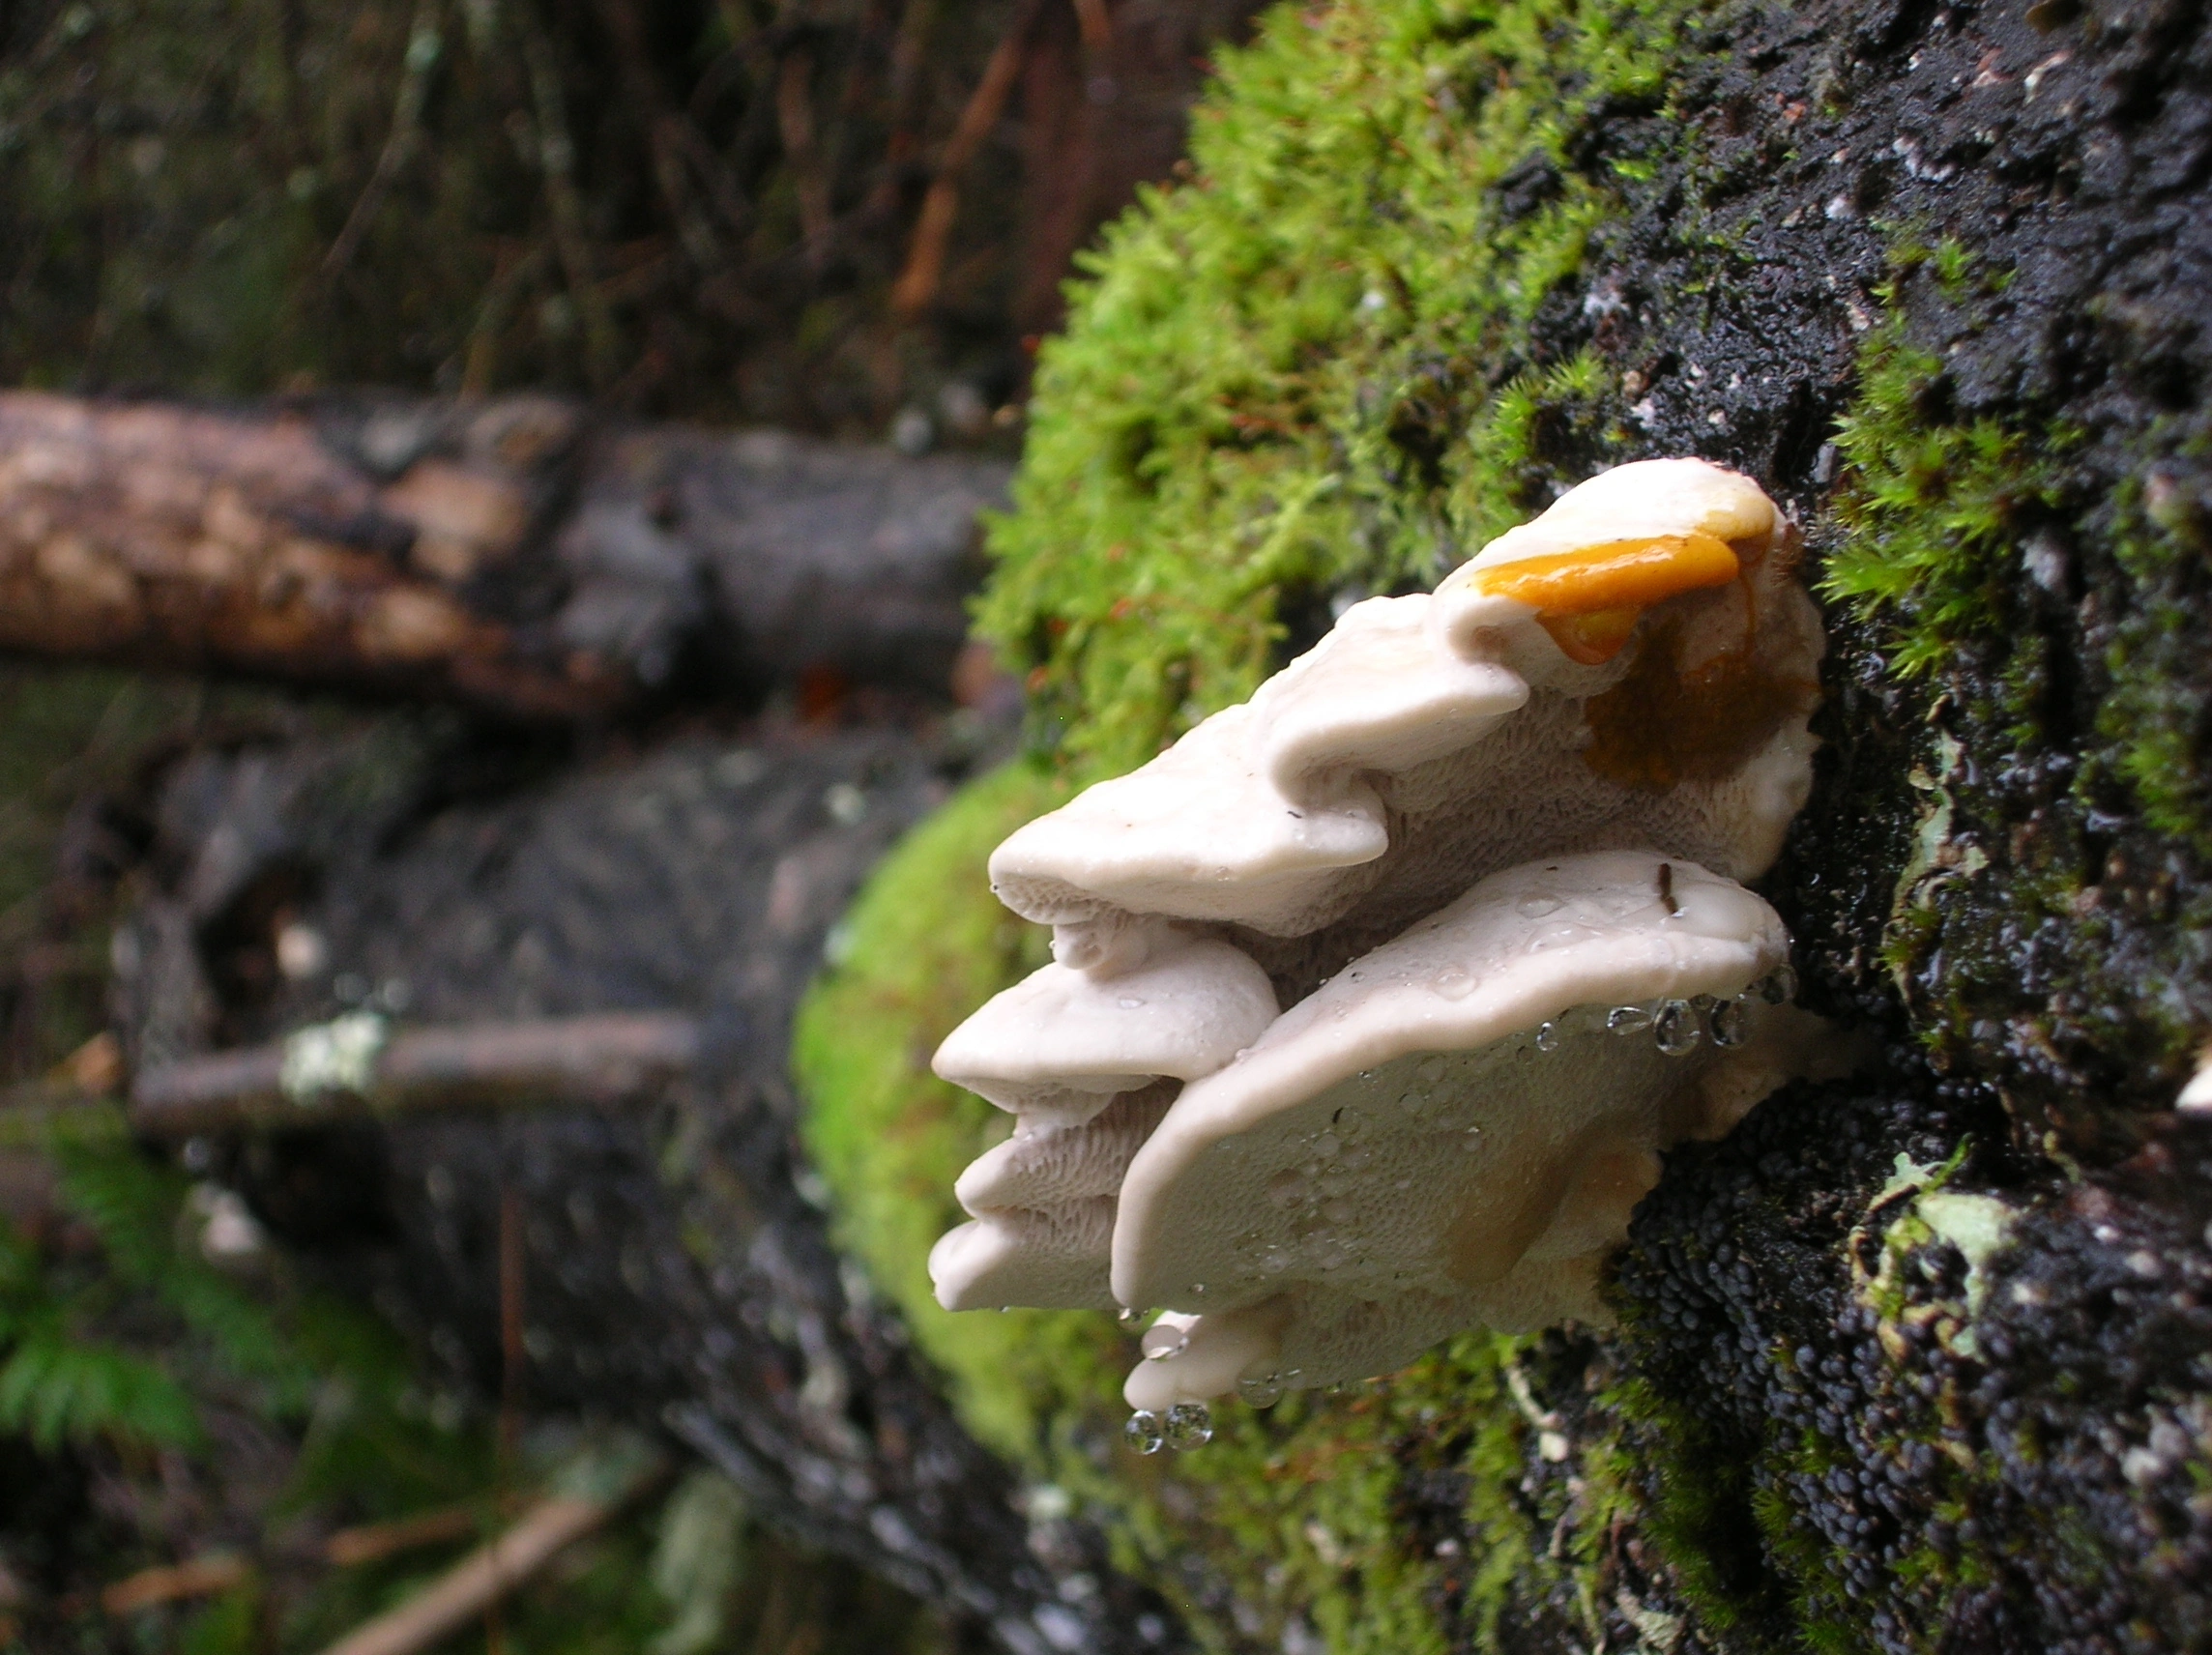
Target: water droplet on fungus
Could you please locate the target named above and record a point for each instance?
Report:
(1677, 1028)
(1189, 1425)
(1144, 1432)
(1453, 983)
(1263, 1392)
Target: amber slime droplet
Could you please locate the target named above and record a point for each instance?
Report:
(1612, 575)
(1591, 640)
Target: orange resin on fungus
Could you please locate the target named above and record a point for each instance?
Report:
(1588, 600)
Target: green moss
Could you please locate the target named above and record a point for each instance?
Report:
(2157, 712)
(1301, 375)
(1935, 508)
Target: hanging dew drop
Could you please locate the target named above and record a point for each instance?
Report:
(1189, 1425)
(1548, 1036)
(1144, 1431)
(1677, 1028)
(1727, 1021)
(1628, 1019)
(1263, 1392)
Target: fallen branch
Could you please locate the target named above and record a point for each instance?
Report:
(504, 554)
(353, 1065)
(489, 1574)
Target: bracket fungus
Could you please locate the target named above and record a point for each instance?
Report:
(1087, 1063)
(1470, 840)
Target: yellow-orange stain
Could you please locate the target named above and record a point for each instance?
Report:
(1588, 600)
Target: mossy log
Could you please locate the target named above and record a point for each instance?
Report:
(514, 557)
(1912, 1362)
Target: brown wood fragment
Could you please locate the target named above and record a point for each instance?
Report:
(506, 555)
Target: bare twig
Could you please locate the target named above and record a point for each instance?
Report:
(373, 1542)
(557, 161)
(795, 125)
(1096, 25)
(425, 46)
(598, 1058)
(489, 1574)
(663, 132)
(174, 1582)
(916, 288)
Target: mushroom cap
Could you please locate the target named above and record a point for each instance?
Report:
(1196, 833)
(1062, 1041)
(1255, 815)
(1043, 1203)
(1401, 1130)
(1454, 734)
(1678, 496)
(1049, 1260)
(1379, 693)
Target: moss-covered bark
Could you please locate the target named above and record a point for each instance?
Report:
(1914, 1361)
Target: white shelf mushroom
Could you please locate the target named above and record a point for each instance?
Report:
(1087, 1063)
(1449, 1134)
(1427, 741)
(1463, 833)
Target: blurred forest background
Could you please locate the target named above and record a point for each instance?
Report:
(843, 217)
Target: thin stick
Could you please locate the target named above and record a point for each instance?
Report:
(174, 1582)
(557, 162)
(598, 1058)
(916, 288)
(373, 1542)
(486, 1574)
(424, 49)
